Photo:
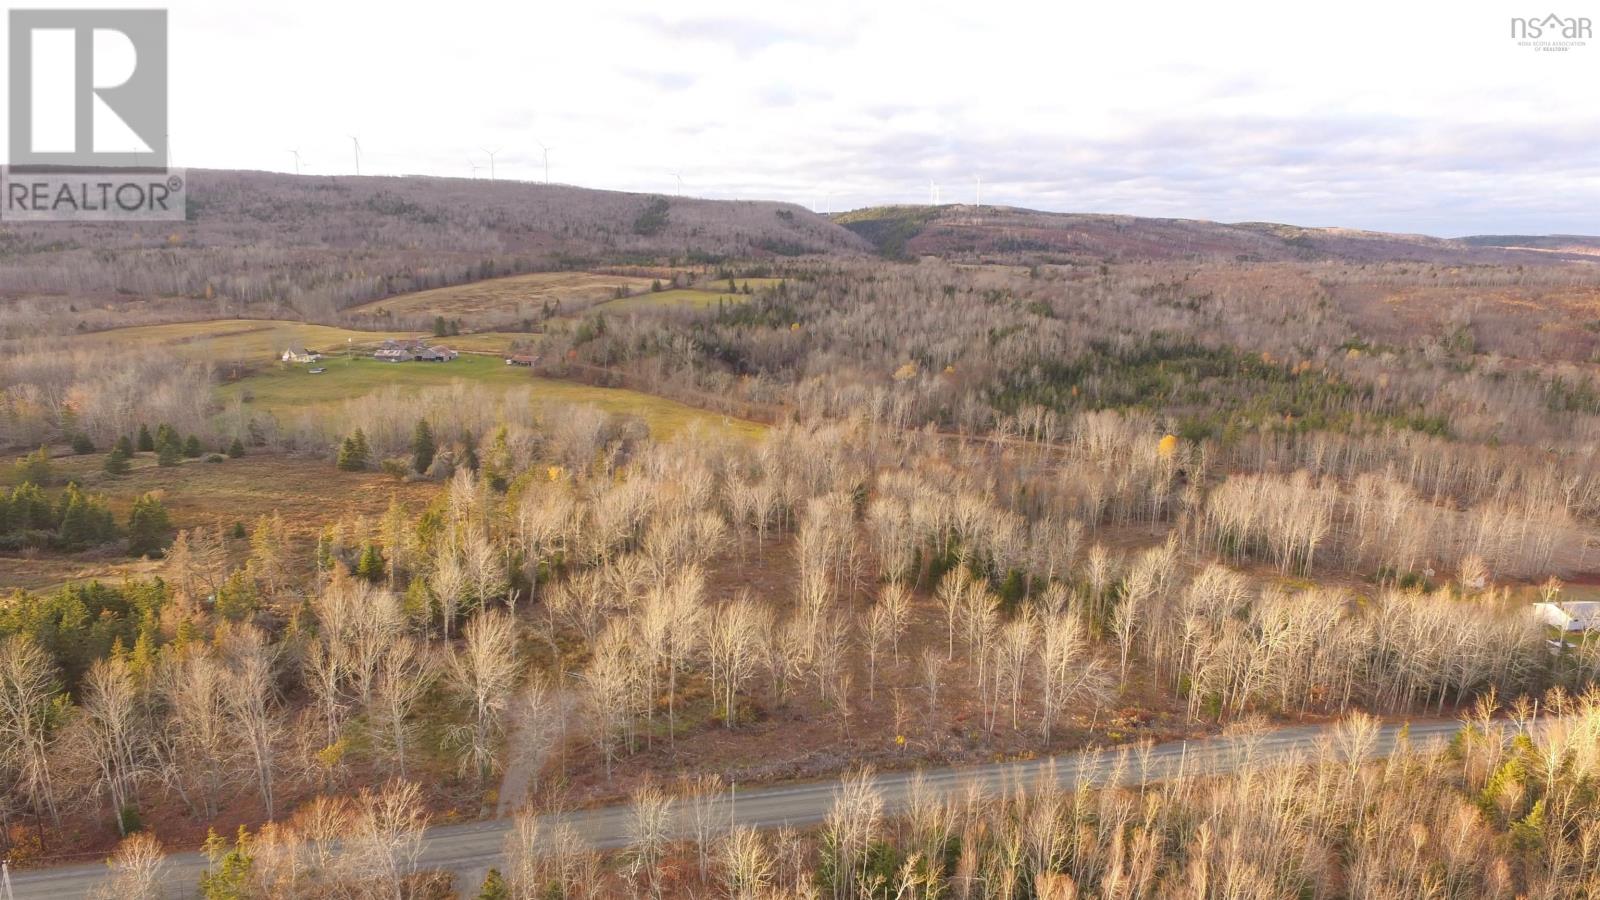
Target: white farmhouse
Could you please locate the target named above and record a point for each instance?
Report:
(1570, 615)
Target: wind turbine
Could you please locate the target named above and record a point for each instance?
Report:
(357, 143)
(296, 154)
(491, 159)
(546, 161)
(680, 183)
(979, 201)
(475, 167)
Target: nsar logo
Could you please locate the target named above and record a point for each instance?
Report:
(1552, 32)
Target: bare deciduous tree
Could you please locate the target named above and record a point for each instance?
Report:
(483, 674)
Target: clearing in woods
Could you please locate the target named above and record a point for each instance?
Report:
(513, 294)
(677, 298)
(196, 492)
(236, 339)
(292, 390)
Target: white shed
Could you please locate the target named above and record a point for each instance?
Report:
(1571, 615)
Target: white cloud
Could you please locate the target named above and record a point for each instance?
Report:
(1409, 116)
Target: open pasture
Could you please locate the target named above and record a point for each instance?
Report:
(512, 295)
(293, 391)
(235, 339)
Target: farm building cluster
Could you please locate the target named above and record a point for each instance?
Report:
(413, 350)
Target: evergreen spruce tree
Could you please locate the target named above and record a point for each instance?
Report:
(192, 448)
(238, 599)
(148, 526)
(77, 525)
(236, 449)
(35, 468)
(422, 447)
(165, 435)
(228, 876)
(168, 455)
(353, 453)
(494, 887)
(143, 660)
(147, 444)
(371, 565)
(116, 461)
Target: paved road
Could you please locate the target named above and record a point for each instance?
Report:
(469, 850)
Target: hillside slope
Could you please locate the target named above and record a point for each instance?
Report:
(1006, 232)
(314, 245)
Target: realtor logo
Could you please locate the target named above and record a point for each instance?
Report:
(89, 117)
(89, 87)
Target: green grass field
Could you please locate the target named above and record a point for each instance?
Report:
(285, 389)
(739, 284)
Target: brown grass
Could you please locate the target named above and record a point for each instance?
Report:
(504, 296)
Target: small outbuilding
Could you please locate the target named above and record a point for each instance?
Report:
(297, 354)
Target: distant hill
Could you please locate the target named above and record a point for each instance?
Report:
(319, 244)
(1570, 244)
(999, 231)
(291, 246)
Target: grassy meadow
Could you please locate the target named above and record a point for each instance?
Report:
(235, 339)
(286, 390)
(575, 290)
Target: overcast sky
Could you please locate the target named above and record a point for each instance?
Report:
(1405, 116)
